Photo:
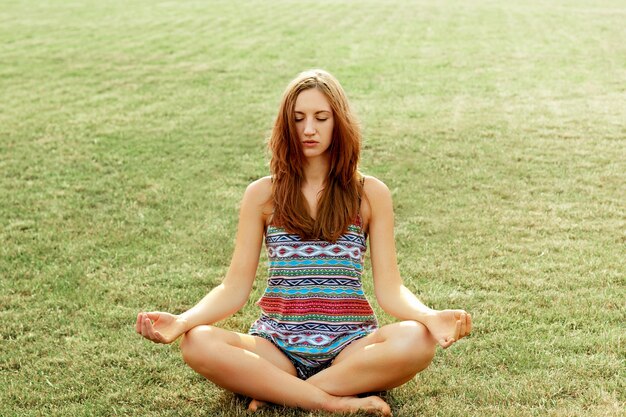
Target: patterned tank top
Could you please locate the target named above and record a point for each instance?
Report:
(314, 304)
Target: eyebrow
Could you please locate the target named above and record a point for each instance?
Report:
(317, 112)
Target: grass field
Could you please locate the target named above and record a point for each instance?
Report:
(129, 131)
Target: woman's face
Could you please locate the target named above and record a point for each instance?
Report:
(314, 122)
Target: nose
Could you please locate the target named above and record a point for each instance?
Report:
(309, 129)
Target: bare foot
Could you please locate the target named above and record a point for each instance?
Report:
(372, 405)
(256, 405)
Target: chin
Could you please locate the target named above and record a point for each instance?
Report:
(313, 153)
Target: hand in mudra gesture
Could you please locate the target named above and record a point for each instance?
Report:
(159, 327)
(448, 326)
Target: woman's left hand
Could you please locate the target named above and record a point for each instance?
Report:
(448, 326)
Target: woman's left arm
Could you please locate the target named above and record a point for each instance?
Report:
(446, 326)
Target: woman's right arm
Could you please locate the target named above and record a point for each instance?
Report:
(232, 294)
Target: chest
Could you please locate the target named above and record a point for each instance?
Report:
(311, 197)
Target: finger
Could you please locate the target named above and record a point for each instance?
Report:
(463, 325)
(457, 330)
(159, 337)
(150, 330)
(469, 323)
(446, 343)
(451, 341)
(138, 323)
(155, 335)
(146, 327)
(154, 316)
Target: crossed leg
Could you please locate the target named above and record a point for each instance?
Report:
(254, 367)
(385, 359)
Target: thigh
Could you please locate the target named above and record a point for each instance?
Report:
(384, 359)
(203, 337)
(382, 334)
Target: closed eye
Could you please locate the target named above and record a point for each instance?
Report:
(318, 119)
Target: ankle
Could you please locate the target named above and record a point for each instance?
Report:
(333, 404)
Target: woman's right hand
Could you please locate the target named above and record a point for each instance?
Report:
(160, 327)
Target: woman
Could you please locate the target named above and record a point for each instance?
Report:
(317, 343)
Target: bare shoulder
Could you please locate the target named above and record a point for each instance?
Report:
(376, 201)
(375, 190)
(259, 190)
(257, 200)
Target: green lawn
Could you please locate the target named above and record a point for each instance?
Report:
(129, 131)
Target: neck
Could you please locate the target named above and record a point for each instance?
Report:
(316, 171)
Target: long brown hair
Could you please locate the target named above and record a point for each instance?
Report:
(339, 201)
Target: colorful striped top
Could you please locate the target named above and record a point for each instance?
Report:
(314, 303)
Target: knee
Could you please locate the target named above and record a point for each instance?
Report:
(198, 346)
(413, 346)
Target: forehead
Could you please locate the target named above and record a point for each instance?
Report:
(312, 100)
